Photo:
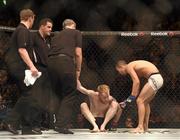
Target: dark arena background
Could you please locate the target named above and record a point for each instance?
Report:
(112, 30)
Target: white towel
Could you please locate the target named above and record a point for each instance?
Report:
(29, 79)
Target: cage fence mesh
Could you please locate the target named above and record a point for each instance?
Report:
(101, 51)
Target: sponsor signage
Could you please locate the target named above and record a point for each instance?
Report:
(159, 33)
(129, 34)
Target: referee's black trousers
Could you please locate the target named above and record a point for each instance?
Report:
(63, 76)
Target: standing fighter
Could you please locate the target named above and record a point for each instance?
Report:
(137, 69)
(64, 65)
(103, 107)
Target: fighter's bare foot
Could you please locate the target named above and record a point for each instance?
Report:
(146, 130)
(138, 130)
(102, 129)
(95, 130)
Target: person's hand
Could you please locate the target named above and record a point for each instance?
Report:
(131, 99)
(122, 104)
(34, 71)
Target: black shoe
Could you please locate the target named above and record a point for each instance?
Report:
(37, 129)
(11, 129)
(63, 130)
(34, 131)
(44, 129)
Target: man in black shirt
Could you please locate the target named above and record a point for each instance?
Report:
(42, 42)
(64, 65)
(18, 58)
(41, 46)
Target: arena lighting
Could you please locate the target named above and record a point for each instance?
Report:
(4, 2)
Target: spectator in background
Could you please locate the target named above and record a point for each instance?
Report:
(129, 122)
(8, 96)
(3, 89)
(2, 63)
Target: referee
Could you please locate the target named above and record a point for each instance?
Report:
(64, 65)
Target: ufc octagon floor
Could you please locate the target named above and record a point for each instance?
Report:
(84, 134)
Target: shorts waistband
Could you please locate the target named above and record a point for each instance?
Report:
(154, 73)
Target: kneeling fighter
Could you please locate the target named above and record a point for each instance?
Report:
(102, 109)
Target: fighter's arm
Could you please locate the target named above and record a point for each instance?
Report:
(135, 87)
(135, 79)
(111, 98)
(84, 90)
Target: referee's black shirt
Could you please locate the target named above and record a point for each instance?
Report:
(21, 38)
(41, 47)
(65, 42)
